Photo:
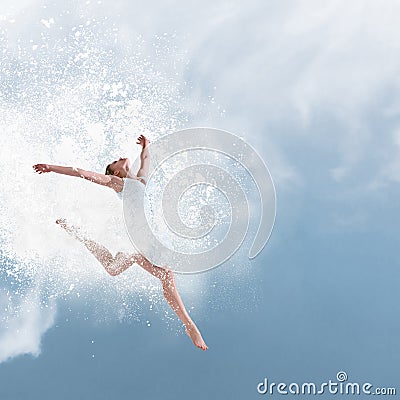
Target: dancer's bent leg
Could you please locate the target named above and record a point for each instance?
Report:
(113, 265)
(122, 261)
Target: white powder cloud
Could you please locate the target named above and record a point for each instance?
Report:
(296, 63)
(27, 320)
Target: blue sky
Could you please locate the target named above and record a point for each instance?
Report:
(312, 86)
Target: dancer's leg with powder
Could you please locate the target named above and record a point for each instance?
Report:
(173, 298)
(122, 261)
(113, 265)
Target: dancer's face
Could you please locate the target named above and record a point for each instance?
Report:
(121, 167)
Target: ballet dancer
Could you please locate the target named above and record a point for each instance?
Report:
(114, 176)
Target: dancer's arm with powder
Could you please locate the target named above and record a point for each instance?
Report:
(101, 179)
(144, 158)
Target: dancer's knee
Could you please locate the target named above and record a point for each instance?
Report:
(113, 272)
(112, 265)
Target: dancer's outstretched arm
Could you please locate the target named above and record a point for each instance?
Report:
(112, 181)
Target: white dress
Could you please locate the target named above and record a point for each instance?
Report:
(121, 193)
(135, 222)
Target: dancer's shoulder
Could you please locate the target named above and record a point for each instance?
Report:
(116, 183)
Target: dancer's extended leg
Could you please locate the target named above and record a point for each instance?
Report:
(113, 265)
(173, 298)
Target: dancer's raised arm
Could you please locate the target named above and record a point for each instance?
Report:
(101, 179)
(144, 157)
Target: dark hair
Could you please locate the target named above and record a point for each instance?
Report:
(109, 170)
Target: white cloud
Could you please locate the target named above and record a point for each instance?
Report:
(24, 324)
(275, 63)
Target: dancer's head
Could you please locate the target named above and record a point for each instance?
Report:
(119, 168)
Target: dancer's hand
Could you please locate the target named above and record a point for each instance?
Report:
(143, 141)
(42, 168)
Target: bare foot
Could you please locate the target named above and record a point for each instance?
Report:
(62, 222)
(194, 334)
(69, 228)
